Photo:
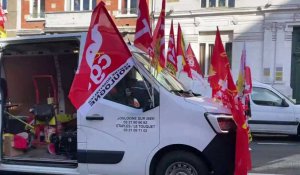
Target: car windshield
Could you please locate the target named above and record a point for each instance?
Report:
(286, 97)
(166, 79)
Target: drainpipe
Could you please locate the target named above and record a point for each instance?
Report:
(2, 101)
(275, 53)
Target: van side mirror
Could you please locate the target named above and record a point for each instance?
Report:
(284, 103)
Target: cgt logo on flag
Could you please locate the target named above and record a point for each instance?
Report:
(97, 61)
(190, 60)
(102, 65)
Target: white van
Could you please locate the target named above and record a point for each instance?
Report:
(272, 112)
(145, 125)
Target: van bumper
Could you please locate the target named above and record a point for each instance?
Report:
(220, 154)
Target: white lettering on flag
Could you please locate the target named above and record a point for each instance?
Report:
(110, 81)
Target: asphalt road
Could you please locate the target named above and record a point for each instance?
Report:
(271, 155)
(276, 155)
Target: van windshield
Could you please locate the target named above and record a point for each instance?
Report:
(166, 79)
(286, 97)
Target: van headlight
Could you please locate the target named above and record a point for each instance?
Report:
(221, 123)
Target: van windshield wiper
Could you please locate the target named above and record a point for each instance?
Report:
(196, 94)
(182, 92)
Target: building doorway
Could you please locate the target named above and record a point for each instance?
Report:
(295, 69)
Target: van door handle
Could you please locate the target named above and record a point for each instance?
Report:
(94, 117)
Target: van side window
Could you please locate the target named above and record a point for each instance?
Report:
(265, 97)
(133, 91)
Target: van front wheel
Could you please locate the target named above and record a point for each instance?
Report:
(181, 163)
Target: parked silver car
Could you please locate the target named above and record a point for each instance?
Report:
(272, 112)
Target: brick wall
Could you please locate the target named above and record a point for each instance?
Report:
(54, 5)
(25, 24)
(50, 6)
(58, 6)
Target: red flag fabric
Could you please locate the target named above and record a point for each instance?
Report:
(247, 91)
(3, 19)
(102, 65)
(248, 79)
(143, 33)
(224, 89)
(244, 83)
(244, 86)
(158, 43)
(193, 64)
(219, 67)
(171, 55)
(181, 52)
(242, 154)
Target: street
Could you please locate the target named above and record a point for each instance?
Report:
(275, 155)
(272, 155)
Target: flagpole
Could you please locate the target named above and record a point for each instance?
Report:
(149, 60)
(244, 71)
(152, 24)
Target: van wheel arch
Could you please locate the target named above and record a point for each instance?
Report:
(178, 147)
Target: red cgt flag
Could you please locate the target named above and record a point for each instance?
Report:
(242, 154)
(193, 63)
(143, 34)
(244, 83)
(181, 52)
(102, 65)
(224, 89)
(158, 43)
(219, 67)
(248, 79)
(171, 55)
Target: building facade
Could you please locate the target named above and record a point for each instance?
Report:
(269, 29)
(34, 17)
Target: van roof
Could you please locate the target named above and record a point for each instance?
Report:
(26, 39)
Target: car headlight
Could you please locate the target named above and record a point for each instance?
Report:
(221, 123)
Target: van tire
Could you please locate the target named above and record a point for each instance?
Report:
(181, 161)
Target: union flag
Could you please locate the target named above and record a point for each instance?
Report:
(143, 33)
(193, 64)
(102, 65)
(224, 89)
(158, 43)
(244, 86)
(181, 52)
(171, 55)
